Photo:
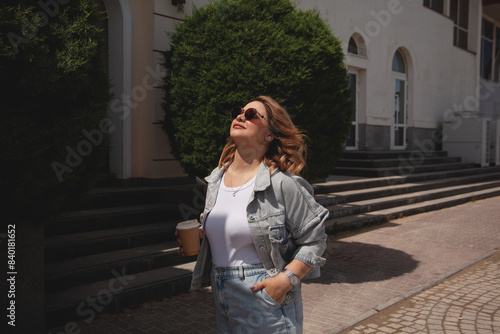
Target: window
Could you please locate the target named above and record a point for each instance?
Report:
(398, 63)
(400, 121)
(490, 51)
(352, 47)
(459, 13)
(357, 45)
(436, 5)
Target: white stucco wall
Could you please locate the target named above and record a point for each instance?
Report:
(164, 18)
(440, 74)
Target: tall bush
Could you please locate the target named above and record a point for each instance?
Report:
(54, 90)
(233, 50)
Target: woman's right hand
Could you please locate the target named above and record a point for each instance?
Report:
(180, 242)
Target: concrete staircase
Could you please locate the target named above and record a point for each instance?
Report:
(400, 183)
(119, 250)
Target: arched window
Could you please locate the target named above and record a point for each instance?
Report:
(353, 46)
(398, 63)
(357, 45)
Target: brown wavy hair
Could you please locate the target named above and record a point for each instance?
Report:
(287, 151)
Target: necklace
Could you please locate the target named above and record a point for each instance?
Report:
(236, 191)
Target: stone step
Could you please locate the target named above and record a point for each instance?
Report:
(112, 217)
(105, 197)
(376, 204)
(391, 190)
(334, 225)
(66, 246)
(403, 169)
(93, 268)
(393, 154)
(394, 179)
(123, 289)
(379, 163)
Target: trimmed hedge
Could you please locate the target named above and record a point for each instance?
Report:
(233, 50)
(55, 93)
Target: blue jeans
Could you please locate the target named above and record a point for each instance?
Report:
(239, 310)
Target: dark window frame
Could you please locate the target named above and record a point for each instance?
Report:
(490, 51)
(435, 5)
(459, 13)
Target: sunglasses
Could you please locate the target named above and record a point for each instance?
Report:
(250, 113)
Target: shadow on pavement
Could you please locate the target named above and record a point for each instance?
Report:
(354, 262)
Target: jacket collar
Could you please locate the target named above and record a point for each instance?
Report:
(262, 182)
(216, 174)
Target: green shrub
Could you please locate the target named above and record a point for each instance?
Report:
(233, 50)
(54, 88)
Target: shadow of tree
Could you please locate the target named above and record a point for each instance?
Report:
(354, 262)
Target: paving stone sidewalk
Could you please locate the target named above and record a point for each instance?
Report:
(368, 271)
(467, 303)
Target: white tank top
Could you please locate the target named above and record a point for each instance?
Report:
(227, 228)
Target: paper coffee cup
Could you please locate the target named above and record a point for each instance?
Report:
(189, 233)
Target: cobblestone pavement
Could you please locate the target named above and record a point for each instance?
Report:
(467, 303)
(397, 264)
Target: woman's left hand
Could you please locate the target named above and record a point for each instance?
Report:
(276, 287)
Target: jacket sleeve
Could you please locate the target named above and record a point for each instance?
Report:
(305, 221)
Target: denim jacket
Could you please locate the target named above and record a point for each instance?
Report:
(285, 223)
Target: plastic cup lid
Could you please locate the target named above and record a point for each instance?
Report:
(188, 224)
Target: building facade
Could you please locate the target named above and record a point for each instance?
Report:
(423, 74)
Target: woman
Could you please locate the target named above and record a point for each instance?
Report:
(263, 229)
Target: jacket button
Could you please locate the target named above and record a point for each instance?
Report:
(262, 249)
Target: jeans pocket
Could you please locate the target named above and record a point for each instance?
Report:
(269, 299)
